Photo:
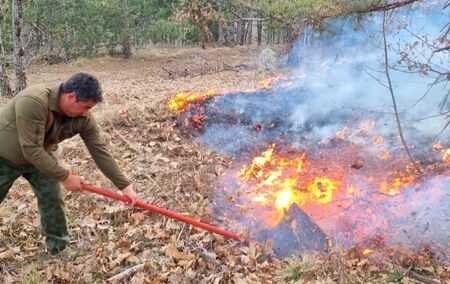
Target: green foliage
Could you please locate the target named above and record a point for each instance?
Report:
(298, 269)
(5, 28)
(395, 275)
(292, 9)
(72, 28)
(166, 31)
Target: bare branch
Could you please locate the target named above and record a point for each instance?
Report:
(442, 49)
(391, 90)
(376, 79)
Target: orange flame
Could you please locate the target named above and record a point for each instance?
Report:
(268, 83)
(367, 251)
(279, 183)
(437, 147)
(178, 103)
(385, 156)
(446, 157)
(322, 189)
(379, 140)
(394, 187)
(341, 134)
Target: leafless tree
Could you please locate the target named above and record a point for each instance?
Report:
(126, 44)
(19, 52)
(5, 87)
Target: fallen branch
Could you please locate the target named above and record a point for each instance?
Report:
(422, 279)
(171, 74)
(127, 273)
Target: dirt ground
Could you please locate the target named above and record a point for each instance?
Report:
(168, 170)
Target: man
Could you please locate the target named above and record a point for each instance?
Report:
(31, 126)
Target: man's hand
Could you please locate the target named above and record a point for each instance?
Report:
(131, 194)
(72, 183)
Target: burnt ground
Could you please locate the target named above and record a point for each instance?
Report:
(170, 171)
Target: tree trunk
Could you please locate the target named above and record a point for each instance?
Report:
(126, 44)
(243, 33)
(259, 28)
(221, 39)
(250, 32)
(5, 87)
(238, 31)
(19, 53)
(279, 31)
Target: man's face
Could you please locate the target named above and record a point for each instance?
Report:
(71, 107)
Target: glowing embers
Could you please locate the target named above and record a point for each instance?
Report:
(437, 147)
(395, 186)
(279, 182)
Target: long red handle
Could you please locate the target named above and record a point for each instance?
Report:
(162, 211)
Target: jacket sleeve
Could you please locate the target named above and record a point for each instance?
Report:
(99, 152)
(31, 115)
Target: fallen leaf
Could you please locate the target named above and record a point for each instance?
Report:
(172, 251)
(137, 217)
(119, 259)
(7, 254)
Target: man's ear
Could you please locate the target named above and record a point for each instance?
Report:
(71, 95)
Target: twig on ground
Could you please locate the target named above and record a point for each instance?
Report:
(125, 140)
(422, 279)
(171, 73)
(127, 273)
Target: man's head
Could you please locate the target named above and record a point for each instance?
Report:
(79, 94)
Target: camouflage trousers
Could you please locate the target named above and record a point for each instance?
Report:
(50, 204)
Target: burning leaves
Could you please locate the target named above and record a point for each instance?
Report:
(446, 157)
(344, 183)
(178, 103)
(279, 182)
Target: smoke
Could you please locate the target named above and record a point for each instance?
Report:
(344, 69)
(338, 85)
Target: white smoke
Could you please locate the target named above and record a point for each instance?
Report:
(344, 69)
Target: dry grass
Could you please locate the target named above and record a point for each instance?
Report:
(169, 171)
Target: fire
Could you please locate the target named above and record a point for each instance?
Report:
(394, 187)
(379, 140)
(341, 134)
(446, 157)
(279, 182)
(367, 251)
(437, 147)
(276, 180)
(179, 103)
(268, 83)
(386, 156)
(255, 170)
(182, 100)
(285, 197)
(322, 190)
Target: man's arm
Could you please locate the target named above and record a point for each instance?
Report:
(104, 160)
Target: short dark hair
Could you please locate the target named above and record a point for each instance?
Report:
(85, 86)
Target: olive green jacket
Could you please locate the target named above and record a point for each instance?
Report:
(31, 126)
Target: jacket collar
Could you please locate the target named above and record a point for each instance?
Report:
(54, 98)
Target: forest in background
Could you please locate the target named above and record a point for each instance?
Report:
(57, 31)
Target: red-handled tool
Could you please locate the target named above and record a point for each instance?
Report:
(167, 213)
